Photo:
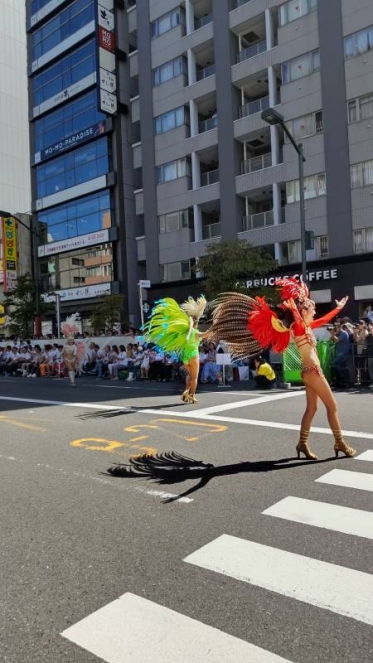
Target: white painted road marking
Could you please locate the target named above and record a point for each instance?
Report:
(321, 514)
(359, 480)
(248, 402)
(137, 630)
(366, 455)
(336, 588)
(191, 414)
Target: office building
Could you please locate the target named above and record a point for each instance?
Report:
(211, 168)
(81, 155)
(15, 189)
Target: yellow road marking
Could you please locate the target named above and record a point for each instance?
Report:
(18, 424)
(136, 429)
(112, 446)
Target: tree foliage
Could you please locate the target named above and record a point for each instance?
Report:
(22, 306)
(107, 314)
(227, 265)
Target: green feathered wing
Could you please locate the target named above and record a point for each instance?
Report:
(168, 328)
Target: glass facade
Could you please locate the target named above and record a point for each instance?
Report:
(38, 4)
(62, 26)
(79, 217)
(66, 121)
(67, 71)
(81, 267)
(83, 164)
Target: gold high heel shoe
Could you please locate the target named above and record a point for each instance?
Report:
(185, 396)
(192, 399)
(341, 446)
(302, 446)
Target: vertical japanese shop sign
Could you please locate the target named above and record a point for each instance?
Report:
(106, 75)
(10, 253)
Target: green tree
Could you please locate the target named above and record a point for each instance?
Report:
(107, 313)
(22, 306)
(227, 265)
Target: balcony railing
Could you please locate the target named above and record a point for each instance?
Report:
(205, 72)
(200, 22)
(256, 163)
(319, 126)
(255, 221)
(239, 3)
(207, 125)
(211, 230)
(252, 51)
(212, 177)
(252, 107)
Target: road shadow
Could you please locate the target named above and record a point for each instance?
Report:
(132, 409)
(171, 468)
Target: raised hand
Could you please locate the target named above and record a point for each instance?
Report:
(342, 302)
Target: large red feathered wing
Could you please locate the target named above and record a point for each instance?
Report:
(267, 328)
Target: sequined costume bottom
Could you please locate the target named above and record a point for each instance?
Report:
(312, 369)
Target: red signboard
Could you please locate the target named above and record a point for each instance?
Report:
(106, 39)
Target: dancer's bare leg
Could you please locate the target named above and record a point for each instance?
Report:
(193, 368)
(311, 408)
(321, 387)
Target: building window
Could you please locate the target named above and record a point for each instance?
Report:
(169, 70)
(300, 67)
(323, 248)
(176, 271)
(62, 26)
(76, 167)
(294, 9)
(359, 43)
(69, 70)
(169, 223)
(79, 217)
(314, 186)
(171, 120)
(72, 268)
(360, 109)
(362, 174)
(363, 240)
(167, 22)
(172, 170)
(67, 121)
(307, 125)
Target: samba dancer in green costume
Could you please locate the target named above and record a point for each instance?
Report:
(174, 328)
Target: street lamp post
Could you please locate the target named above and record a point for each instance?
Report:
(34, 262)
(273, 117)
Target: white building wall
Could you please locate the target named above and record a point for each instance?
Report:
(15, 188)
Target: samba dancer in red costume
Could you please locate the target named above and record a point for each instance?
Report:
(248, 325)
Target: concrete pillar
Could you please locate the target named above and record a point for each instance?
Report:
(197, 223)
(276, 194)
(191, 67)
(278, 255)
(196, 171)
(189, 16)
(270, 29)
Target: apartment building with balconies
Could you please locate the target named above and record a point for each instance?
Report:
(209, 168)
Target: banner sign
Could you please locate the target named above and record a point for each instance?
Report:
(99, 237)
(106, 44)
(84, 292)
(70, 141)
(321, 275)
(10, 253)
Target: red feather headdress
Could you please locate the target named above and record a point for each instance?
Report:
(290, 288)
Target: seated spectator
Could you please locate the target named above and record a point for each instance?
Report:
(265, 377)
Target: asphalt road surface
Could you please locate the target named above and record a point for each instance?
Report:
(210, 542)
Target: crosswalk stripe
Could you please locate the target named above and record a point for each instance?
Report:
(137, 630)
(359, 480)
(336, 588)
(366, 455)
(321, 514)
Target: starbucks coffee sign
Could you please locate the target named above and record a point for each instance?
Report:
(312, 277)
